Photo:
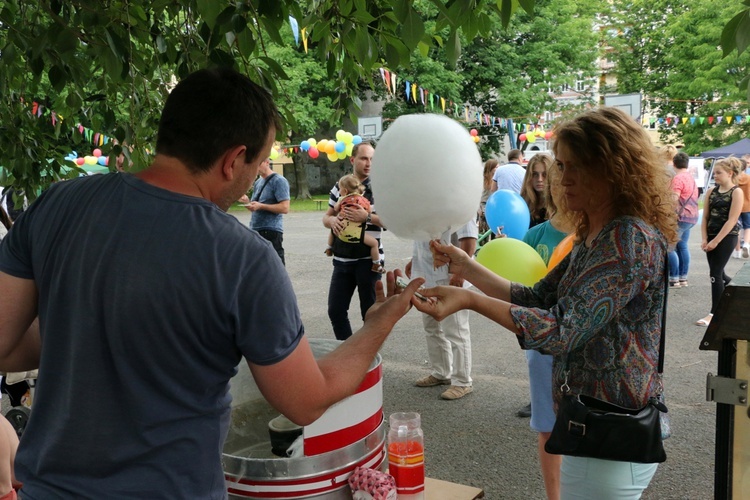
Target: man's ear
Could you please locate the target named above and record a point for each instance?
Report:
(232, 159)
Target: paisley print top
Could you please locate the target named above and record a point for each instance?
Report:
(601, 310)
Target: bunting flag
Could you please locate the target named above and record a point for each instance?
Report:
(295, 29)
(414, 92)
(304, 38)
(442, 103)
(406, 90)
(393, 82)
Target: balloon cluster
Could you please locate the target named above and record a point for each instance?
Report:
(93, 159)
(532, 136)
(336, 150)
(474, 135)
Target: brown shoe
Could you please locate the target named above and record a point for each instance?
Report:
(430, 381)
(456, 392)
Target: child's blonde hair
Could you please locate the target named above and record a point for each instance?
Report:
(732, 165)
(351, 184)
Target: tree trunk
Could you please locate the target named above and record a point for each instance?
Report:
(300, 179)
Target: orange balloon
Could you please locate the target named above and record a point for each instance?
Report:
(561, 250)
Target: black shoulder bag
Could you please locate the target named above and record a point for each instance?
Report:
(589, 427)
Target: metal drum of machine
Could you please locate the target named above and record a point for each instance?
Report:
(349, 434)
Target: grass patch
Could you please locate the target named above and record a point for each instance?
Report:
(319, 203)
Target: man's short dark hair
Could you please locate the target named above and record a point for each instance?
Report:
(681, 160)
(365, 142)
(212, 111)
(515, 155)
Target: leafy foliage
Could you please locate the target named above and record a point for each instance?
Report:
(109, 64)
(682, 70)
(516, 72)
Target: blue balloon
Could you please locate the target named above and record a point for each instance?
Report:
(506, 209)
(102, 160)
(356, 140)
(340, 146)
(304, 145)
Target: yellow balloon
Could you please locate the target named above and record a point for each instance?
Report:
(340, 134)
(90, 160)
(531, 137)
(332, 157)
(312, 142)
(274, 154)
(512, 259)
(348, 137)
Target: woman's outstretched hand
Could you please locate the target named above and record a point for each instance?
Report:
(441, 301)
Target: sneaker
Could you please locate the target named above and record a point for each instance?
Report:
(683, 283)
(430, 381)
(745, 252)
(675, 284)
(524, 412)
(737, 254)
(456, 392)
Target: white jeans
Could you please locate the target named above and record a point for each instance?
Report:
(449, 347)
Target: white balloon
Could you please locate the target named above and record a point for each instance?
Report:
(426, 176)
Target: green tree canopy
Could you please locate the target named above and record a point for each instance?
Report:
(669, 51)
(109, 64)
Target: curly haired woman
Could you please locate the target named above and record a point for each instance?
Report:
(599, 311)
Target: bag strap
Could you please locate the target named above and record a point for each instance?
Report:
(662, 340)
(682, 205)
(267, 180)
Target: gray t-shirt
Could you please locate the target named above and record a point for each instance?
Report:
(147, 302)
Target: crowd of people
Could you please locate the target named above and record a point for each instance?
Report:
(143, 359)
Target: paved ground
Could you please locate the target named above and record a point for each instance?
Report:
(478, 440)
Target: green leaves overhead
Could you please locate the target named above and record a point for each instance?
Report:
(109, 65)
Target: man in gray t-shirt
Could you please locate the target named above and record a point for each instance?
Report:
(137, 297)
(269, 202)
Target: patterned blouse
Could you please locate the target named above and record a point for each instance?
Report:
(601, 309)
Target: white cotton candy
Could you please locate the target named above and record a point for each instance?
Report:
(426, 176)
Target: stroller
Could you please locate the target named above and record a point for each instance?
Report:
(20, 390)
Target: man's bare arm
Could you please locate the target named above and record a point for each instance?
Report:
(20, 344)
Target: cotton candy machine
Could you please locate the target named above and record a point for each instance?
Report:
(351, 433)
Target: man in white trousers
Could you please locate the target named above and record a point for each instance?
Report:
(449, 340)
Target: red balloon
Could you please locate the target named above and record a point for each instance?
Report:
(313, 152)
(80, 161)
(522, 137)
(474, 132)
(548, 135)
